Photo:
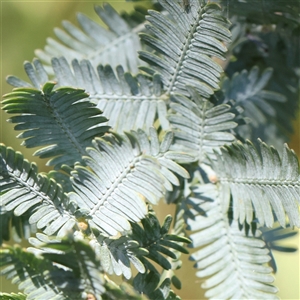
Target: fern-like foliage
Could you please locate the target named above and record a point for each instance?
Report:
(128, 102)
(176, 263)
(260, 105)
(69, 272)
(125, 171)
(93, 212)
(119, 171)
(232, 262)
(123, 291)
(157, 241)
(26, 191)
(117, 255)
(12, 296)
(116, 45)
(149, 284)
(247, 88)
(21, 266)
(184, 55)
(259, 181)
(60, 119)
(199, 125)
(78, 257)
(15, 227)
(264, 13)
(265, 33)
(64, 270)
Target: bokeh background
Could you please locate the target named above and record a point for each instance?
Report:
(25, 25)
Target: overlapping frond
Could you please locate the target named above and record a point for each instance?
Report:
(269, 38)
(116, 45)
(186, 42)
(260, 181)
(123, 291)
(121, 173)
(139, 246)
(178, 230)
(267, 12)
(232, 263)
(117, 255)
(15, 227)
(149, 284)
(28, 272)
(69, 270)
(59, 119)
(128, 102)
(160, 244)
(82, 271)
(26, 191)
(12, 296)
(247, 89)
(199, 125)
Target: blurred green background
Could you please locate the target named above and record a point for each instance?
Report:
(25, 25)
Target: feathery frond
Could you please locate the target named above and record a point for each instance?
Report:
(269, 38)
(247, 89)
(199, 125)
(123, 291)
(92, 214)
(12, 296)
(129, 103)
(157, 241)
(116, 255)
(27, 271)
(260, 181)
(15, 227)
(125, 170)
(139, 246)
(26, 191)
(149, 284)
(232, 262)
(68, 272)
(266, 12)
(116, 45)
(79, 258)
(185, 43)
(60, 119)
(179, 230)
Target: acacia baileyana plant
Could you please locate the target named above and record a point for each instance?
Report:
(180, 103)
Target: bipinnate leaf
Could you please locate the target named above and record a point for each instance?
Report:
(26, 191)
(28, 272)
(117, 254)
(248, 90)
(260, 181)
(161, 245)
(149, 284)
(61, 120)
(199, 125)
(232, 262)
(185, 44)
(68, 269)
(115, 45)
(128, 102)
(121, 173)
